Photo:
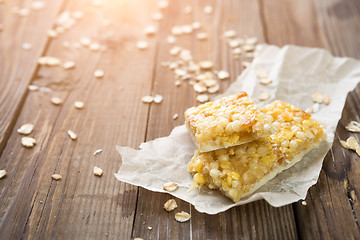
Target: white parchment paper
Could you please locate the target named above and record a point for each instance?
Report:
(297, 73)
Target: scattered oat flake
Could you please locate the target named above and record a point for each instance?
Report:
(26, 46)
(182, 216)
(170, 205)
(180, 72)
(26, 129)
(2, 173)
(28, 142)
(150, 30)
(185, 55)
(230, 34)
(304, 203)
(174, 51)
(171, 39)
(264, 96)
(147, 99)
(98, 171)
(351, 143)
(157, 16)
(317, 97)
(85, 41)
(138, 238)
(245, 64)
(248, 48)
(158, 98)
(175, 116)
(45, 89)
(223, 75)
(265, 81)
(202, 36)
(313, 109)
(187, 29)
(37, 5)
(208, 9)
(170, 186)
(162, 4)
(52, 33)
(202, 98)
(78, 14)
(56, 100)
(261, 74)
(188, 9)
(206, 65)
(49, 61)
(213, 89)
(177, 30)
(72, 135)
(98, 151)
(94, 46)
(99, 73)
(234, 43)
(177, 83)
(56, 177)
(196, 25)
(210, 82)
(237, 51)
(69, 64)
(251, 41)
(326, 99)
(142, 45)
(33, 87)
(353, 126)
(199, 88)
(23, 12)
(79, 104)
(150, 228)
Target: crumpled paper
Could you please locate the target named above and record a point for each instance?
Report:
(297, 73)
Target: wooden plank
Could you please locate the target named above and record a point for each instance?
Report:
(81, 206)
(330, 212)
(291, 22)
(18, 65)
(339, 21)
(250, 221)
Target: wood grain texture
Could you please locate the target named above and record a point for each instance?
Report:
(331, 212)
(81, 206)
(18, 65)
(291, 22)
(245, 222)
(339, 21)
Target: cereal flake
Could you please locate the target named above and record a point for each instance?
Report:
(170, 205)
(26, 129)
(170, 186)
(182, 216)
(98, 171)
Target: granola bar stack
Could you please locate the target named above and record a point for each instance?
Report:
(240, 147)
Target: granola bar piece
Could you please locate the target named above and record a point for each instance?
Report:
(227, 122)
(239, 171)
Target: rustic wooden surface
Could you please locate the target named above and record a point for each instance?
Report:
(82, 206)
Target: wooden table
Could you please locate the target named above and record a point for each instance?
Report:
(82, 206)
